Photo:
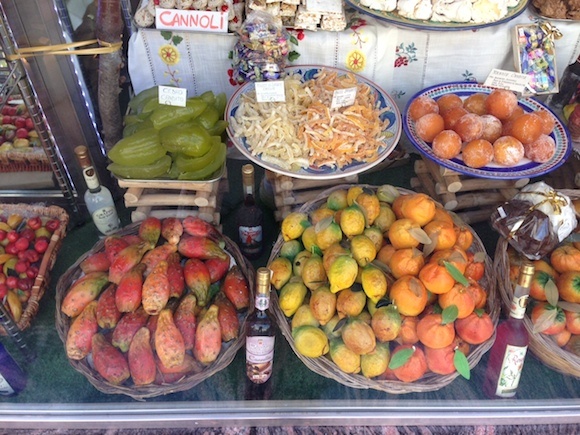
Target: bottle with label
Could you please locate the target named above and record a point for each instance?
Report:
(507, 355)
(568, 86)
(261, 333)
(12, 378)
(98, 198)
(249, 218)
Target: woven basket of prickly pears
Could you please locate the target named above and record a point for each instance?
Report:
(26, 265)
(195, 364)
(559, 347)
(342, 357)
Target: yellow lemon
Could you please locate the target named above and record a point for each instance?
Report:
(309, 239)
(337, 199)
(374, 282)
(320, 213)
(376, 362)
(292, 296)
(352, 221)
(299, 261)
(304, 316)
(385, 218)
(342, 273)
(363, 249)
(343, 357)
(352, 193)
(281, 269)
(327, 234)
(313, 273)
(323, 304)
(294, 225)
(370, 205)
(310, 341)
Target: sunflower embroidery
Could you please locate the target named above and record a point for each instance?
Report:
(169, 54)
(356, 60)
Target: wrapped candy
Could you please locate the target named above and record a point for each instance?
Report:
(535, 220)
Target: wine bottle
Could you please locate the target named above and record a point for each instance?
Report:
(12, 378)
(507, 355)
(261, 334)
(97, 197)
(249, 217)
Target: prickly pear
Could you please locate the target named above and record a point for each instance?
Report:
(156, 291)
(185, 319)
(127, 258)
(175, 275)
(227, 317)
(83, 291)
(97, 262)
(169, 343)
(218, 267)
(126, 328)
(107, 313)
(108, 361)
(81, 331)
(208, 337)
(235, 287)
(171, 230)
(128, 294)
(200, 247)
(196, 226)
(157, 254)
(141, 359)
(150, 230)
(197, 280)
(114, 245)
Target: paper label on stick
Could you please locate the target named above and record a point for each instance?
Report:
(172, 96)
(343, 97)
(510, 80)
(270, 92)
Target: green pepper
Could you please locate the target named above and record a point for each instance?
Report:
(208, 117)
(141, 148)
(219, 158)
(218, 128)
(220, 103)
(138, 101)
(189, 164)
(157, 169)
(165, 115)
(188, 139)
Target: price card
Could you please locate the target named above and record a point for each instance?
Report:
(511, 80)
(343, 97)
(270, 91)
(172, 96)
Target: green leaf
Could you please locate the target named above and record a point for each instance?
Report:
(176, 40)
(569, 306)
(316, 250)
(545, 320)
(293, 55)
(323, 224)
(461, 364)
(339, 324)
(449, 314)
(383, 302)
(293, 39)
(165, 34)
(456, 274)
(551, 291)
(400, 357)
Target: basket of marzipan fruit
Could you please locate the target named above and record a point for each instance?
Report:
(381, 288)
(553, 313)
(156, 308)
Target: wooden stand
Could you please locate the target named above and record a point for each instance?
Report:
(290, 193)
(473, 199)
(175, 198)
(566, 176)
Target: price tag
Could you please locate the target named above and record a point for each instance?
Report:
(324, 6)
(511, 80)
(343, 97)
(270, 92)
(172, 96)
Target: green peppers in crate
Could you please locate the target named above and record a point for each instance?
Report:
(141, 148)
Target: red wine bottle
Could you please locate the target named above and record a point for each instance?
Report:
(507, 355)
(249, 218)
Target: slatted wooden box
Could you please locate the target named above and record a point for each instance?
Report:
(163, 198)
(473, 199)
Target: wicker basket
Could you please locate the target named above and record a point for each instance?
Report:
(430, 381)
(48, 259)
(542, 346)
(31, 160)
(84, 366)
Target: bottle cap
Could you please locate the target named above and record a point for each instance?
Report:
(248, 169)
(263, 279)
(526, 274)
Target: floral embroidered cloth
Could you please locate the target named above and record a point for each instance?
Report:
(401, 61)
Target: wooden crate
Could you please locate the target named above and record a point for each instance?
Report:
(566, 176)
(161, 198)
(473, 199)
(291, 193)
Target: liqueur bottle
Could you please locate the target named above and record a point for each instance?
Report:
(98, 198)
(568, 86)
(507, 355)
(249, 217)
(261, 333)
(12, 378)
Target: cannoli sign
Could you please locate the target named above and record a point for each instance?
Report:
(201, 21)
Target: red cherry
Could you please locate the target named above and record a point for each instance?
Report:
(52, 225)
(12, 235)
(24, 284)
(21, 266)
(41, 245)
(22, 244)
(10, 248)
(32, 271)
(34, 222)
(28, 233)
(31, 255)
(12, 282)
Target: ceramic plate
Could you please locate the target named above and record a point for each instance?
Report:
(525, 169)
(397, 20)
(307, 72)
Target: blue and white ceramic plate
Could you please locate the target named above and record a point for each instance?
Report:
(308, 72)
(525, 169)
(397, 20)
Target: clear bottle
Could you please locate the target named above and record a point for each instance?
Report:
(568, 86)
(249, 217)
(98, 198)
(507, 355)
(12, 378)
(261, 334)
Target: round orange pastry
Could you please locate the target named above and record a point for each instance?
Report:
(469, 127)
(541, 150)
(492, 128)
(422, 105)
(501, 103)
(475, 103)
(447, 144)
(507, 151)
(477, 153)
(428, 126)
(448, 101)
(526, 128)
(451, 116)
(548, 120)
